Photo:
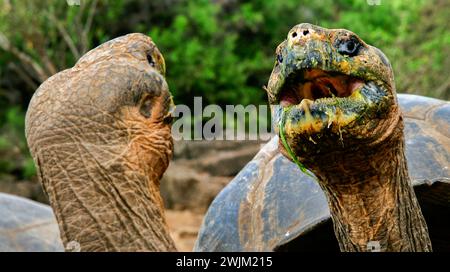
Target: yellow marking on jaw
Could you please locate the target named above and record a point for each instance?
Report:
(309, 123)
(356, 95)
(343, 119)
(345, 67)
(310, 126)
(330, 115)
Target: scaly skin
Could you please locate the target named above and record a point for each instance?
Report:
(353, 143)
(99, 134)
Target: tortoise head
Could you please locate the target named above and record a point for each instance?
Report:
(133, 47)
(330, 90)
(116, 90)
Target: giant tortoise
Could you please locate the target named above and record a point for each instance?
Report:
(336, 112)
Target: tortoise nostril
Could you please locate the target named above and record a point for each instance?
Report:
(305, 32)
(294, 34)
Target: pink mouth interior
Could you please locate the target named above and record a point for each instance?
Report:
(316, 84)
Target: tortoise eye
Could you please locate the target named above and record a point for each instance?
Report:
(150, 60)
(349, 47)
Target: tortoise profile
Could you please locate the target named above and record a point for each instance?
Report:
(99, 134)
(334, 99)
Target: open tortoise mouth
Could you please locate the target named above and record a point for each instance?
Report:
(318, 102)
(316, 84)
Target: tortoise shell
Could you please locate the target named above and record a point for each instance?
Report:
(271, 205)
(26, 225)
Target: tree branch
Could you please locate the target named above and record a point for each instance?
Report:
(24, 76)
(6, 45)
(65, 35)
(441, 90)
(88, 26)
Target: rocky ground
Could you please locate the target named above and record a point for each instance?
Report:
(198, 172)
(184, 226)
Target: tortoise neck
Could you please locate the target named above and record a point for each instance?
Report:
(372, 201)
(111, 204)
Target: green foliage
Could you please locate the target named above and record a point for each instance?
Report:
(29, 170)
(220, 50)
(413, 34)
(14, 155)
(202, 61)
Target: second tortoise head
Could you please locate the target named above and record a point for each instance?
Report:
(329, 89)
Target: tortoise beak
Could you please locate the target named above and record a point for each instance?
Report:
(170, 115)
(172, 107)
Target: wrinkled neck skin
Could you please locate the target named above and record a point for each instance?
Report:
(370, 197)
(106, 195)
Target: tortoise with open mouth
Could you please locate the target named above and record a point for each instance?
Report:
(378, 163)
